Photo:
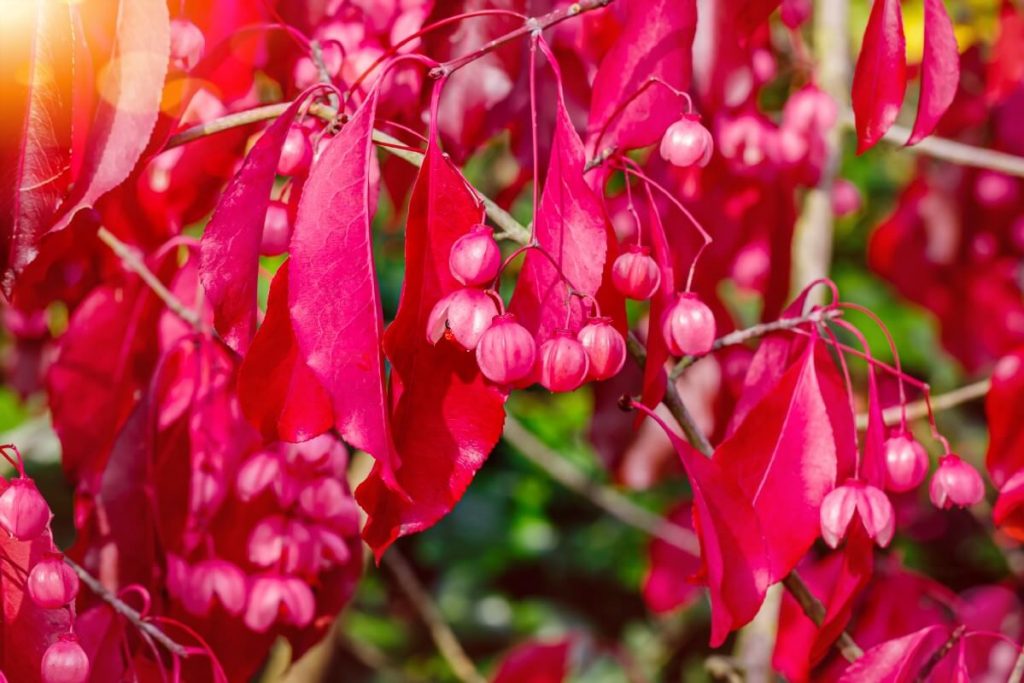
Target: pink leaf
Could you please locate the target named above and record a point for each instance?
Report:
(783, 457)
(278, 392)
(1004, 408)
(333, 293)
(535, 662)
(655, 377)
(735, 559)
(570, 226)
(656, 41)
(446, 417)
(880, 78)
(668, 584)
(940, 70)
(35, 133)
(899, 660)
(130, 89)
(230, 248)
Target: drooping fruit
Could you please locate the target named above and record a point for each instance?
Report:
(296, 152)
(955, 483)
(506, 352)
(52, 583)
(464, 315)
(605, 347)
(906, 463)
(23, 511)
(635, 274)
(563, 362)
(475, 257)
(65, 662)
(687, 143)
(871, 505)
(688, 326)
(277, 229)
(187, 44)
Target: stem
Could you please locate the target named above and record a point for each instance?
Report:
(448, 645)
(815, 611)
(531, 25)
(754, 332)
(604, 497)
(919, 409)
(125, 610)
(937, 656)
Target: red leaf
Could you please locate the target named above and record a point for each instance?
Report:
(35, 131)
(899, 660)
(130, 90)
(668, 584)
(1004, 408)
(535, 662)
(656, 41)
(655, 377)
(940, 70)
(333, 293)
(570, 227)
(736, 562)
(278, 392)
(230, 245)
(1008, 512)
(880, 78)
(783, 457)
(446, 417)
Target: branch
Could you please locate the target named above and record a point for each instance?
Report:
(447, 644)
(604, 497)
(530, 26)
(126, 610)
(937, 656)
(813, 608)
(135, 264)
(952, 151)
(754, 332)
(1018, 669)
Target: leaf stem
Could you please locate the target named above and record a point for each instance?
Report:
(937, 656)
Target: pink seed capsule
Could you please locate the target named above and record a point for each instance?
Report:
(810, 110)
(846, 198)
(277, 229)
(563, 362)
(635, 274)
(274, 597)
(464, 315)
(870, 504)
(218, 579)
(52, 583)
(906, 463)
(955, 483)
(296, 152)
(687, 143)
(507, 351)
(475, 257)
(65, 662)
(605, 347)
(23, 512)
(187, 44)
(688, 326)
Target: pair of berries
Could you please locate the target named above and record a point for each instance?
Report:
(688, 325)
(505, 350)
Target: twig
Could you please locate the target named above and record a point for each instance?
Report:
(919, 409)
(721, 668)
(447, 644)
(134, 263)
(531, 25)
(754, 332)
(952, 151)
(126, 610)
(815, 611)
(1018, 669)
(604, 497)
(937, 656)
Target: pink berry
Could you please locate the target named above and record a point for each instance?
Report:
(688, 326)
(464, 315)
(296, 152)
(563, 362)
(277, 230)
(955, 483)
(605, 347)
(635, 274)
(906, 463)
(475, 257)
(506, 352)
(687, 143)
(215, 578)
(871, 505)
(257, 474)
(52, 583)
(65, 662)
(274, 596)
(324, 499)
(187, 44)
(845, 197)
(23, 512)
(810, 110)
